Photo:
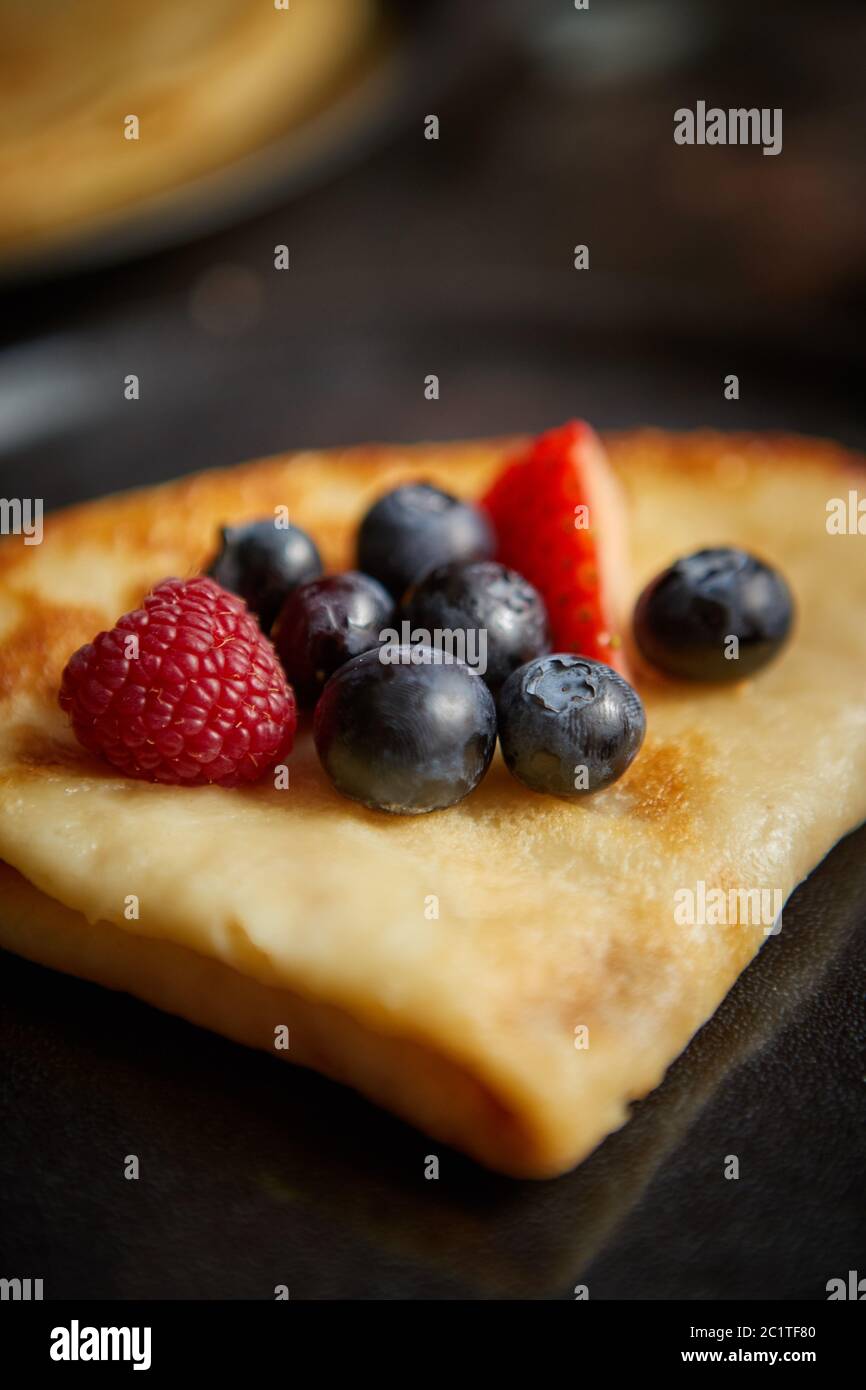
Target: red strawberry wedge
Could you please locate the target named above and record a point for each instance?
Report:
(561, 522)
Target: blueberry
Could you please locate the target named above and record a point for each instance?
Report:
(263, 562)
(325, 622)
(415, 527)
(569, 725)
(405, 729)
(499, 619)
(685, 616)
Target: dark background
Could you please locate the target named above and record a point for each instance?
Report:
(455, 257)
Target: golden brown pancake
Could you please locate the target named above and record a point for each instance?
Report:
(261, 907)
(208, 80)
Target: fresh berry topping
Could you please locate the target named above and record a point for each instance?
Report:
(405, 729)
(184, 690)
(415, 527)
(569, 726)
(560, 520)
(263, 562)
(492, 612)
(325, 622)
(718, 615)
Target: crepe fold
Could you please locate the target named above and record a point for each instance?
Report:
(507, 974)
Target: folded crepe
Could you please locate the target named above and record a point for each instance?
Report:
(509, 973)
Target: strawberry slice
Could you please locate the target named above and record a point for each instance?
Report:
(560, 519)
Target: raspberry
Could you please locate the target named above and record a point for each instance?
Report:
(203, 700)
